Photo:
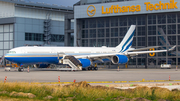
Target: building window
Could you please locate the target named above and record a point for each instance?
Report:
(33, 37)
(161, 19)
(107, 22)
(57, 38)
(141, 61)
(151, 19)
(114, 32)
(141, 20)
(171, 18)
(92, 33)
(107, 42)
(178, 48)
(178, 15)
(84, 43)
(92, 23)
(132, 20)
(172, 61)
(141, 41)
(132, 61)
(178, 29)
(100, 23)
(120, 40)
(152, 61)
(141, 31)
(85, 24)
(114, 22)
(172, 40)
(114, 42)
(162, 61)
(84, 33)
(123, 21)
(134, 42)
(100, 33)
(179, 41)
(151, 41)
(107, 33)
(171, 29)
(100, 42)
(122, 31)
(92, 42)
(151, 30)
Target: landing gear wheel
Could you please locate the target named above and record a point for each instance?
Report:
(19, 69)
(89, 68)
(95, 68)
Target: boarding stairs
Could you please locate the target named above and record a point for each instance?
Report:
(72, 62)
(1, 60)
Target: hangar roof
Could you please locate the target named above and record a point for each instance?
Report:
(39, 5)
(86, 2)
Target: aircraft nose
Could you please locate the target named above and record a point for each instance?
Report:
(5, 56)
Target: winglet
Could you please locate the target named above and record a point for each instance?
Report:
(172, 48)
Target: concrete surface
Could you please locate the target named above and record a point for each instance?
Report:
(48, 75)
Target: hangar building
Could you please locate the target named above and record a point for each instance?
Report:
(105, 22)
(28, 23)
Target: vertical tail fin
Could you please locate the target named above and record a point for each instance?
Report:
(162, 39)
(126, 43)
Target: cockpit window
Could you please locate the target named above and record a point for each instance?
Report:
(12, 52)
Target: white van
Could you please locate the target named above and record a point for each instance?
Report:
(7, 69)
(165, 66)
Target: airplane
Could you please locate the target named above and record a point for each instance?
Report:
(163, 41)
(82, 57)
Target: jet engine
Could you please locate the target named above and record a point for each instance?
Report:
(119, 59)
(85, 62)
(41, 65)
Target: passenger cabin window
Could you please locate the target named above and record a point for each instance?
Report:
(11, 52)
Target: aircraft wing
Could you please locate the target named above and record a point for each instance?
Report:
(140, 49)
(145, 52)
(102, 56)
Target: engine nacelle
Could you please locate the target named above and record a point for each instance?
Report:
(119, 59)
(85, 62)
(41, 65)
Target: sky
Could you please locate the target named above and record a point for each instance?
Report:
(57, 2)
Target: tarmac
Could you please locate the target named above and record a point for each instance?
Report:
(51, 75)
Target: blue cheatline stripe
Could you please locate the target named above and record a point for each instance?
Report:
(128, 46)
(127, 40)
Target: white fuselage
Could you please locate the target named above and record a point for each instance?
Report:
(66, 50)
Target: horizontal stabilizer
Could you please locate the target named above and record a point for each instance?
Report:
(171, 49)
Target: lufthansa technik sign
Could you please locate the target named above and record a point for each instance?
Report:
(137, 8)
(126, 8)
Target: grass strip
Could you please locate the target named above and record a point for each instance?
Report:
(83, 91)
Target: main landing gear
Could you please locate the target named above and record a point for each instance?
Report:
(20, 69)
(92, 68)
